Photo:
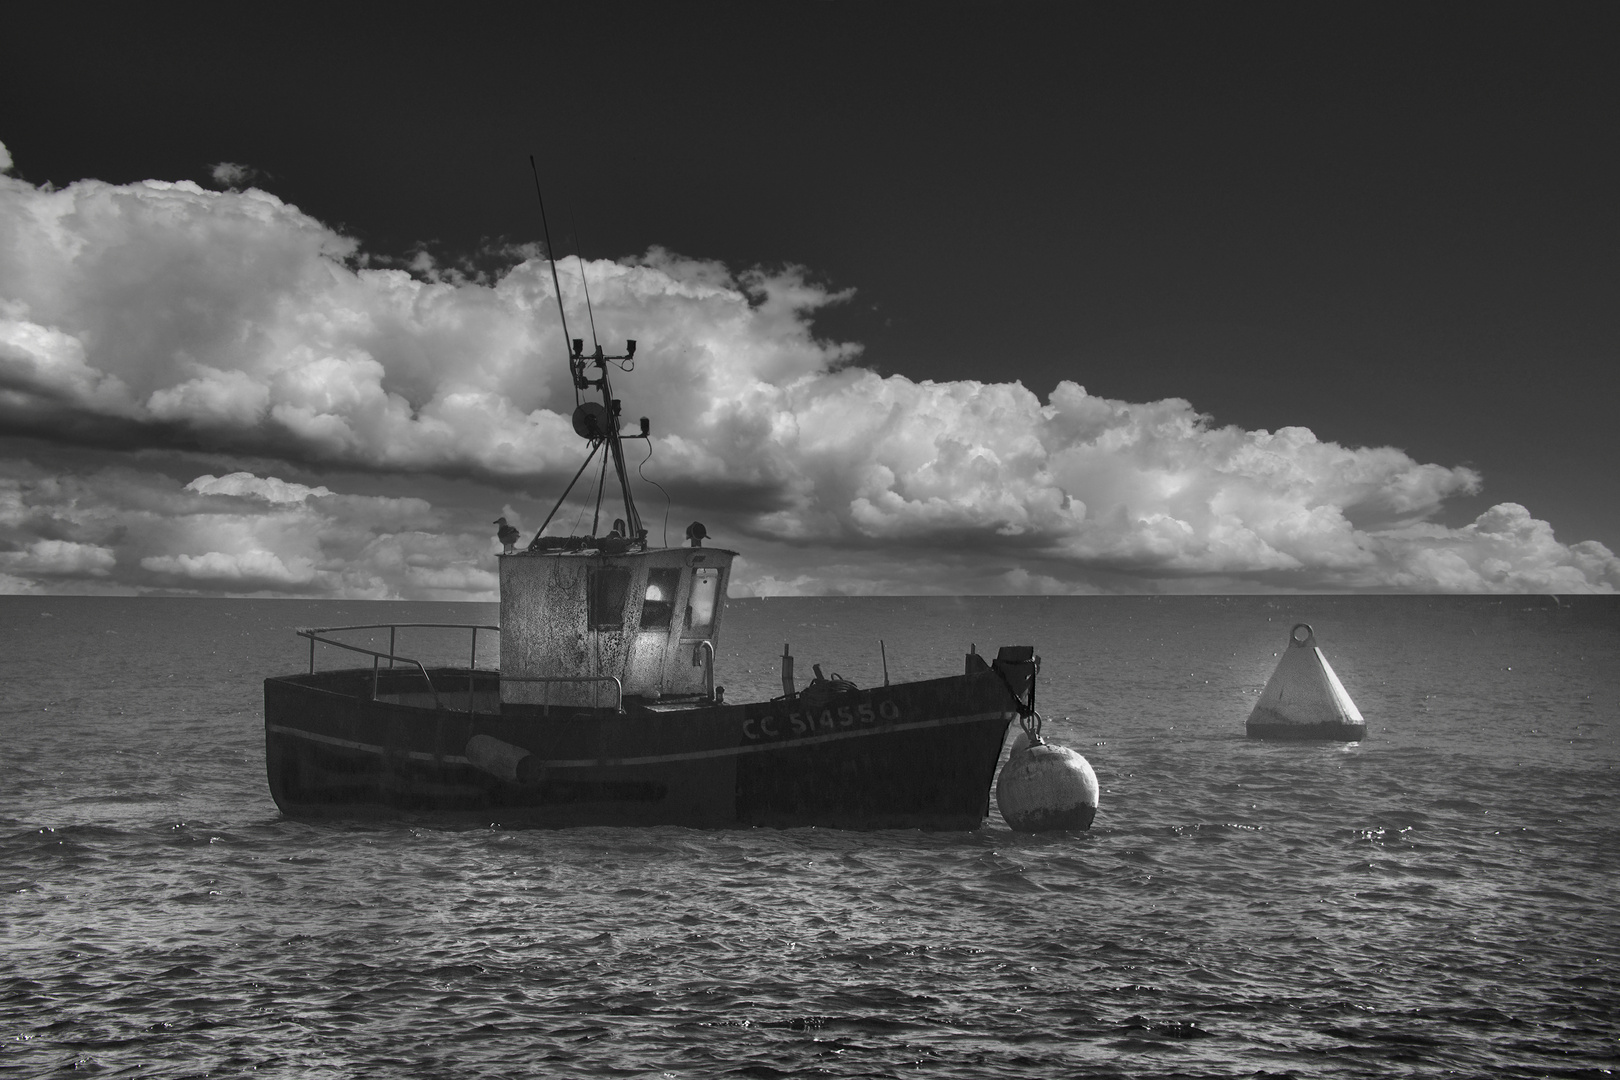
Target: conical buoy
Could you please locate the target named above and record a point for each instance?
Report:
(1045, 788)
(1304, 699)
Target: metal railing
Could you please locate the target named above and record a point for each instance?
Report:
(548, 680)
(703, 653)
(317, 634)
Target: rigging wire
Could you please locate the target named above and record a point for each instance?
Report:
(594, 447)
(576, 370)
(595, 343)
(578, 518)
(601, 483)
(632, 515)
(568, 342)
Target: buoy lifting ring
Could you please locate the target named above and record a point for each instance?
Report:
(1302, 642)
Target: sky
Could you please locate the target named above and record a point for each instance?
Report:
(945, 298)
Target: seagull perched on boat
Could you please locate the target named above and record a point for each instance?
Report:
(507, 535)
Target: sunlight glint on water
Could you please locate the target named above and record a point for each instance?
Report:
(1438, 900)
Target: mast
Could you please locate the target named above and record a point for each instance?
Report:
(600, 423)
(597, 423)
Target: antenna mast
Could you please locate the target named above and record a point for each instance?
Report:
(585, 283)
(598, 424)
(551, 257)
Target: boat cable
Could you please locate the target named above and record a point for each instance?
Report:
(595, 342)
(632, 515)
(579, 518)
(534, 545)
(632, 524)
(1028, 718)
(591, 419)
(601, 483)
(821, 689)
(656, 484)
(555, 283)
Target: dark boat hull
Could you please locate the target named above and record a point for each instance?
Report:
(916, 755)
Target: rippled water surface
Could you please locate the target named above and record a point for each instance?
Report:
(1439, 900)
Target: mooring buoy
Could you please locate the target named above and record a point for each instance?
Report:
(1020, 742)
(1304, 699)
(1044, 787)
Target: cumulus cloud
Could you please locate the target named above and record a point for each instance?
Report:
(131, 530)
(230, 174)
(164, 316)
(257, 566)
(269, 488)
(1503, 550)
(60, 558)
(234, 321)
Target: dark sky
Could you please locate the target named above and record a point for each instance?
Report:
(1393, 224)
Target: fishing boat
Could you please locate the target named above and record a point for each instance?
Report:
(605, 709)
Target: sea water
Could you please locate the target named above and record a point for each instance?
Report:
(1437, 900)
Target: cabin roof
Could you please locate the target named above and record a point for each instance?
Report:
(596, 551)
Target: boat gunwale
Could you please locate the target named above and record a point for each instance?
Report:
(521, 713)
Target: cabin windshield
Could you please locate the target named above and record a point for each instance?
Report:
(700, 609)
(608, 587)
(658, 607)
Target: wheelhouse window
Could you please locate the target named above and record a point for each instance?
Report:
(609, 587)
(700, 608)
(658, 607)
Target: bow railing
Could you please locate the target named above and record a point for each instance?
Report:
(319, 634)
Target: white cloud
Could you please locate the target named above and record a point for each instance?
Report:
(269, 488)
(165, 315)
(233, 318)
(5, 159)
(231, 174)
(60, 558)
(259, 567)
(51, 366)
(1503, 550)
(239, 534)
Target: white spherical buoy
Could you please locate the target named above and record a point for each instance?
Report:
(1020, 743)
(1044, 788)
